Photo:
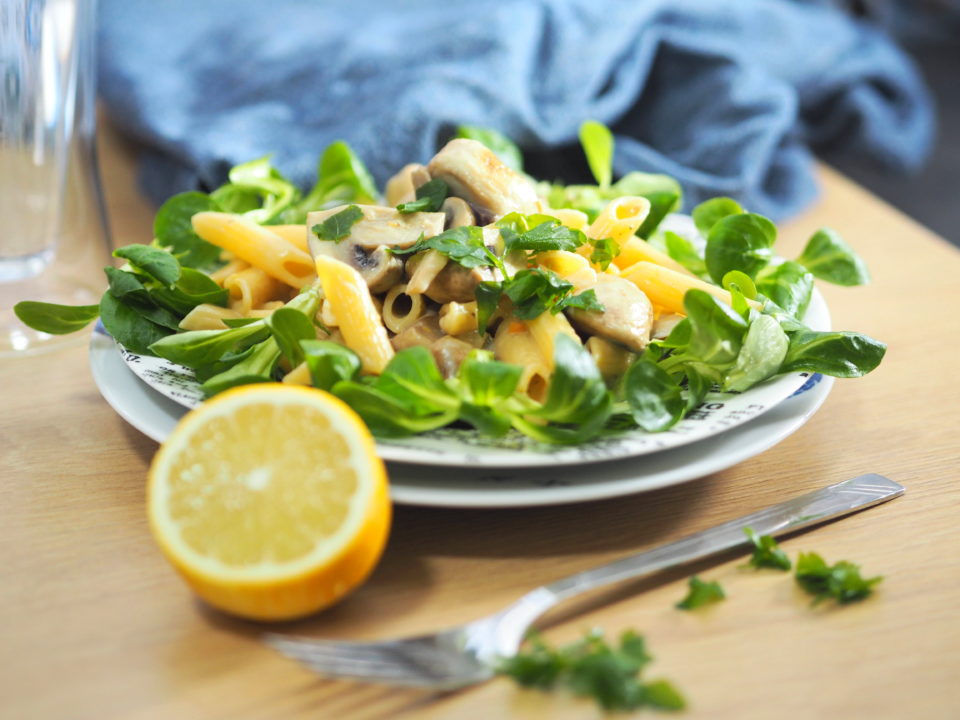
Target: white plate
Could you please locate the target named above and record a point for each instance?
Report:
(720, 411)
(156, 415)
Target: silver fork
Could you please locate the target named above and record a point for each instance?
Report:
(469, 653)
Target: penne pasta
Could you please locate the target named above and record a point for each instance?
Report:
(251, 288)
(620, 219)
(296, 235)
(401, 309)
(458, 318)
(513, 343)
(639, 250)
(257, 245)
(544, 329)
(360, 322)
(666, 288)
(573, 267)
(612, 360)
(233, 266)
(207, 317)
(573, 219)
(427, 270)
(300, 375)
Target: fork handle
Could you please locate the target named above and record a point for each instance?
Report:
(815, 507)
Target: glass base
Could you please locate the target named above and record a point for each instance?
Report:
(18, 340)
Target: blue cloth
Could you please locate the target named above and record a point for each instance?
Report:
(728, 97)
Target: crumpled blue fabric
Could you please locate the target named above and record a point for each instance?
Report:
(730, 98)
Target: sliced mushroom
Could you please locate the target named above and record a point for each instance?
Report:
(457, 213)
(401, 188)
(477, 175)
(379, 269)
(449, 352)
(425, 331)
(383, 226)
(627, 316)
(455, 283)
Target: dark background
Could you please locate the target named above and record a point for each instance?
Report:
(932, 195)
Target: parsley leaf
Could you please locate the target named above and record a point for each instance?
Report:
(543, 237)
(766, 552)
(604, 251)
(430, 197)
(463, 245)
(591, 667)
(535, 291)
(336, 227)
(701, 593)
(587, 300)
(841, 581)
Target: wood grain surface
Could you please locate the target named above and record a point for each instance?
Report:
(96, 625)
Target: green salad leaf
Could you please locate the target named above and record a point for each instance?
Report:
(830, 258)
(53, 318)
(597, 142)
(173, 230)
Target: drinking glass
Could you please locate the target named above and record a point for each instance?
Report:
(54, 238)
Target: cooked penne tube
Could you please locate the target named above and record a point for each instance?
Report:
(430, 266)
(612, 359)
(233, 266)
(360, 323)
(570, 266)
(619, 219)
(544, 329)
(514, 344)
(251, 288)
(207, 317)
(573, 219)
(639, 250)
(401, 309)
(300, 375)
(458, 318)
(257, 245)
(266, 309)
(326, 315)
(296, 235)
(666, 288)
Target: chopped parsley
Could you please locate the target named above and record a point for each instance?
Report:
(766, 552)
(430, 197)
(336, 227)
(464, 245)
(538, 233)
(532, 291)
(591, 667)
(841, 581)
(604, 251)
(701, 593)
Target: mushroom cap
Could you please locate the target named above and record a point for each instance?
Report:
(476, 174)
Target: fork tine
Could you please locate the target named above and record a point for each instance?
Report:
(354, 662)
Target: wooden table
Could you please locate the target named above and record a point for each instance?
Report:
(96, 624)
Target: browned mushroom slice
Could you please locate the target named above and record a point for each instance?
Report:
(627, 316)
(477, 175)
(425, 331)
(383, 226)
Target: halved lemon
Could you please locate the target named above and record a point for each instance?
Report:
(270, 500)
